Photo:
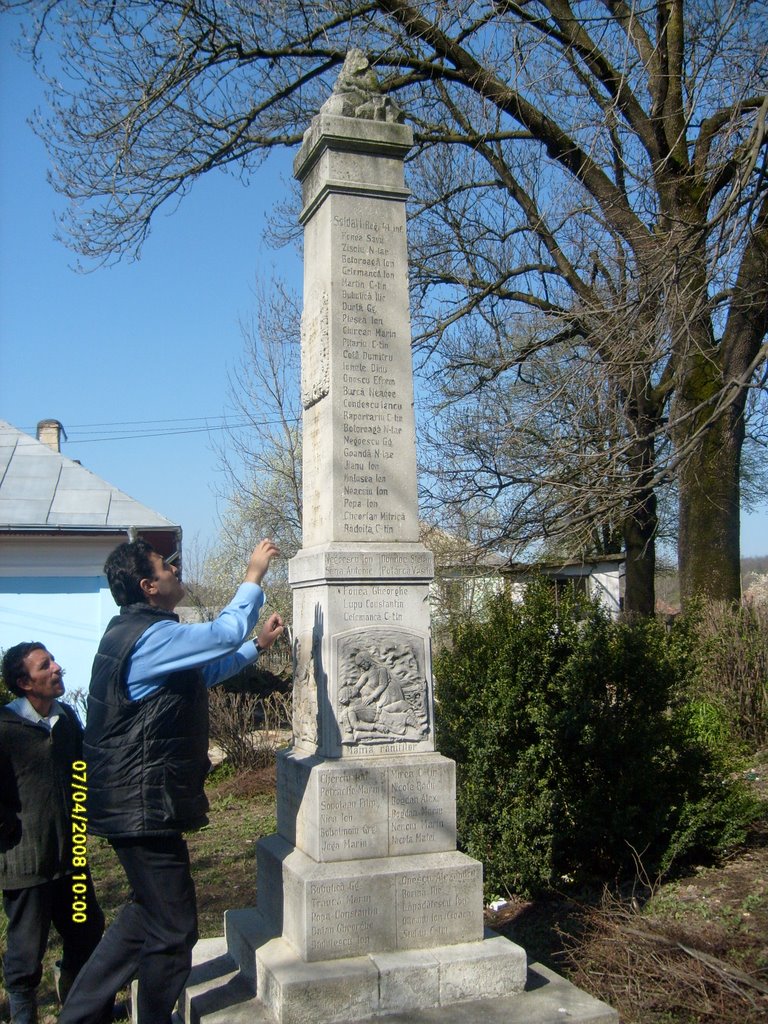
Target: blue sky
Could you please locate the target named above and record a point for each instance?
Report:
(144, 346)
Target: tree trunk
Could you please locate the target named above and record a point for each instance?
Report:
(640, 545)
(709, 527)
(640, 521)
(709, 553)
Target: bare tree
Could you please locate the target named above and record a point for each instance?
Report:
(260, 459)
(550, 442)
(615, 193)
(261, 456)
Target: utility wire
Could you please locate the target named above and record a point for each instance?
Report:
(139, 435)
(144, 423)
(78, 433)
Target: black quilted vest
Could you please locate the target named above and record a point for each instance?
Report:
(36, 798)
(147, 759)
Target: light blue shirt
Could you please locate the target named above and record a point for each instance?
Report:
(22, 707)
(217, 648)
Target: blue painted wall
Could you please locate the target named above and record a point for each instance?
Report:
(67, 614)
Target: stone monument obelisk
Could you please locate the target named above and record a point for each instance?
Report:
(363, 879)
(364, 905)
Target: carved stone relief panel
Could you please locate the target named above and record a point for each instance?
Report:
(382, 695)
(315, 346)
(306, 671)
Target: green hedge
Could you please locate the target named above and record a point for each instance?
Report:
(574, 747)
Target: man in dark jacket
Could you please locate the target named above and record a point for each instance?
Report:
(41, 749)
(146, 749)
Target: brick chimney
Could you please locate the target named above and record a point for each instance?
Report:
(49, 432)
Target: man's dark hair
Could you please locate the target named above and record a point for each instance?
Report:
(125, 568)
(13, 664)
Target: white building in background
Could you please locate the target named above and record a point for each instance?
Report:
(601, 578)
(467, 576)
(58, 523)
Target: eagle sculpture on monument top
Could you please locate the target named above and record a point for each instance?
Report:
(357, 93)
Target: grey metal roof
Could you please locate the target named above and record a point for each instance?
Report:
(549, 568)
(41, 488)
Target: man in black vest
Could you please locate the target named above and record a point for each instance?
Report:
(41, 746)
(146, 749)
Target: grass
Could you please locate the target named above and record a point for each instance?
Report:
(223, 865)
(689, 951)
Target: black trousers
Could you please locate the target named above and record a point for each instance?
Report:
(31, 912)
(151, 938)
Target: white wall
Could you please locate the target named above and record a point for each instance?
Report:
(53, 590)
(605, 582)
(607, 587)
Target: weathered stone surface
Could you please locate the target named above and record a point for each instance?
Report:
(547, 999)
(379, 983)
(298, 992)
(480, 970)
(407, 981)
(363, 682)
(346, 908)
(216, 993)
(357, 93)
(214, 985)
(408, 563)
(341, 811)
(245, 931)
(357, 381)
(351, 158)
(373, 693)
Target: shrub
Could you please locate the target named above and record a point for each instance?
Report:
(573, 745)
(247, 726)
(731, 667)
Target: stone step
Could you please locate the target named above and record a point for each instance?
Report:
(344, 989)
(217, 993)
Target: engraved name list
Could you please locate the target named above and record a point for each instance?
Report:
(374, 383)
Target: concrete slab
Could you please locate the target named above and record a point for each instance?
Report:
(331, 991)
(409, 979)
(217, 993)
(478, 970)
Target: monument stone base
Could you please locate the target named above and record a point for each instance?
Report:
(383, 904)
(332, 991)
(248, 977)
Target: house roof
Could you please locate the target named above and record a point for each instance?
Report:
(549, 568)
(42, 489)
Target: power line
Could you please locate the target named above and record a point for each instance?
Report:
(140, 435)
(151, 427)
(144, 423)
(78, 433)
